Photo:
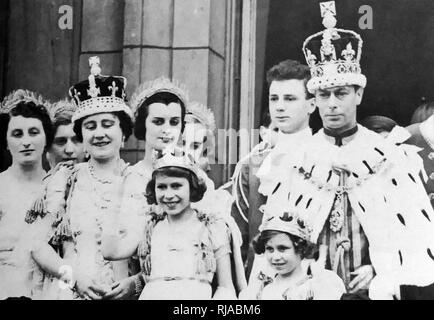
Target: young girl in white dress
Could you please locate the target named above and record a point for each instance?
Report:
(25, 129)
(181, 249)
(284, 240)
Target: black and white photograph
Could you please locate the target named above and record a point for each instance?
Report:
(216, 150)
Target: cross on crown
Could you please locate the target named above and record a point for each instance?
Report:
(333, 55)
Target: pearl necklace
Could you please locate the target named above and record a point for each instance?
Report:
(103, 188)
(95, 177)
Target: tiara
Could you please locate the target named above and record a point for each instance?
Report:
(203, 114)
(175, 157)
(333, 55)
(288, 221)
(58, 108)
(162, 84)
(21, 95)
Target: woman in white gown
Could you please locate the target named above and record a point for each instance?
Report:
(25, 131)
(71, 214)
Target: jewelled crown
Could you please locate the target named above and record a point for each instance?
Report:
(62, 108)
(20, 95)
(202, 114)
(99, 93)
(162, 84)
(176, 158)
(285, 221)
(333, 55)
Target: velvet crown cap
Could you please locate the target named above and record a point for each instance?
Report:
(99, 94)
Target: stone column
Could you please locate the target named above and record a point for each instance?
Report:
(199, 42)
(180, 39)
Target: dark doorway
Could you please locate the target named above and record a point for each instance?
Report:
(35, 53)
(396, 57)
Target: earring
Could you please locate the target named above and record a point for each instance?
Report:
(123, 142)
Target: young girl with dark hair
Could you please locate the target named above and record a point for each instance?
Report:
(181, 249)
(284, 241)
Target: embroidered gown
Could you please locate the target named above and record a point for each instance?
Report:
(15, 201)
(180, 264)
(320, 285)
(76, 207)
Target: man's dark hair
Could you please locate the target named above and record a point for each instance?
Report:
(288, 70)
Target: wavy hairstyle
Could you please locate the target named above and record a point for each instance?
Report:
(302, 247)
(197, 185)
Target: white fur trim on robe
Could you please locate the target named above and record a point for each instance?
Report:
(391, 204)
(288, 147)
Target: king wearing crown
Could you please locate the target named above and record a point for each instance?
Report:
(361, 193)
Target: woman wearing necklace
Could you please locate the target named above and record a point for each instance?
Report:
(79, 198)
(26, 132)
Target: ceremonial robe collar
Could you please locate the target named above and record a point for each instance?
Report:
(341, 138)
